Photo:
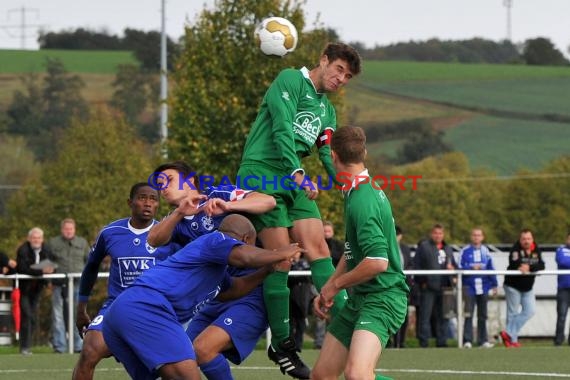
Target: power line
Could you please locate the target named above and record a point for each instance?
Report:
(23, 26)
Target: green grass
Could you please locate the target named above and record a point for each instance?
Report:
(399, 72)
(531, 361)
(77, 61)
(506, 145)
(535, 90)
(538, 96)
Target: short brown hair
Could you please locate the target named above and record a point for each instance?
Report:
(338, 50)
(349, 143)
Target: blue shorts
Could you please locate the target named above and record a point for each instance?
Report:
(97, 322)
(144, 335)
(244, 320)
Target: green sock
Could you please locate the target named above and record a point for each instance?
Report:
(276, 297)
(380, 377)
(321, 270)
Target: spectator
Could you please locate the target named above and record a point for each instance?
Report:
(398, 340)
(563, 294)
(336, 247)
(526, 257)
(7, 265)
(302, 293)
(433, 254)
(70, 252)
(476, 256)
(31, 252)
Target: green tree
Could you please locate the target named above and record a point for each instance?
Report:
(539, 201)
(135, 94)
(97, 162)
(43, 112)
(422, 144)
(221, 77)
(18, 166)
(541, 51)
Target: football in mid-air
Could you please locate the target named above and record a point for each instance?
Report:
(276, 36)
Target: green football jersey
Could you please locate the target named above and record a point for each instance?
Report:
(292, 119)
(370, 232)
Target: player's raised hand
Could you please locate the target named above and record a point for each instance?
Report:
(217, 206)
(191, 204)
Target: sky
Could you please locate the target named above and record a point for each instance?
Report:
(372, 22)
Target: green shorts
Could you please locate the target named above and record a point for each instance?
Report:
(292, 202)
(380, 313)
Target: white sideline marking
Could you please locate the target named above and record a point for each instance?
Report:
(441, 371)
(459, 372)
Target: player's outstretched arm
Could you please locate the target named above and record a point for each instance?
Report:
(245, 284)
(248, 256)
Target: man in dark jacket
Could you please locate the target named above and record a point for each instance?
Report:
(526, 257)
(398, 340)
(433, 254)
(31, 252)
(7, 265)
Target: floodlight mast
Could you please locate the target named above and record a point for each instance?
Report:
(509, 4)
(163, 83)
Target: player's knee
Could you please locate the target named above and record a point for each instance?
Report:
(356, 372)
(317, 250)
(203, 351)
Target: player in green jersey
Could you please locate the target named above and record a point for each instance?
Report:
(370, 267)
(295, 115)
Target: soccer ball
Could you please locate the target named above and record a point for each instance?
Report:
(276, 36)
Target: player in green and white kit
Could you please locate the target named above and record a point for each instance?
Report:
(295, 115)
(371, 267)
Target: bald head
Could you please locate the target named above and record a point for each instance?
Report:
(239, 227)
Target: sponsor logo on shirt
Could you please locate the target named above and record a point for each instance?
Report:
(307, 125)
(131, 268)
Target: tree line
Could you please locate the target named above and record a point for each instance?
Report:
(533, 51)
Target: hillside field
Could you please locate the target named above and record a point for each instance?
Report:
(491, 113)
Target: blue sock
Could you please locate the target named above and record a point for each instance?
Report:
(217, 369)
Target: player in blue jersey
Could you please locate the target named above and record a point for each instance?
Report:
(125, 242)
(221, 329)
(144, 325)
(199, 209)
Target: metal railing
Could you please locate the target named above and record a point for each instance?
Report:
(458, 273)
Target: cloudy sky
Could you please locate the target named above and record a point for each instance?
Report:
(373, 22)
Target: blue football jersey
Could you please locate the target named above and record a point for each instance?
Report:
(194, 226)
(194, 275)
(130, 253)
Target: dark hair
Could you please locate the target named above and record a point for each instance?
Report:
(328, 223)
(349, 143)
(338, 50)
(437, 226)
(135, 188)
(181, 167)
(399, 230)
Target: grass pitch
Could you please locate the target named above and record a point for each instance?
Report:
(536, 361)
